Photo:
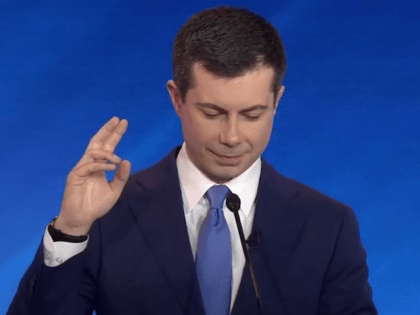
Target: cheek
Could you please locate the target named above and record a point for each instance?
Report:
(206, 130)
(259, 136)
(197, 131)
(267, 131)
(258, 132)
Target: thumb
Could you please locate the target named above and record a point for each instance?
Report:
(121, 176)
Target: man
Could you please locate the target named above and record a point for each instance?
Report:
(144, 244)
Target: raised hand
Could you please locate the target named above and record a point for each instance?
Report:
(88, 195)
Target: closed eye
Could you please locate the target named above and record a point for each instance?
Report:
(210, 115)
(249, 117)
(252, 117)
(260, 110)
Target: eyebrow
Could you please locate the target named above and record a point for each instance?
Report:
(249, 109)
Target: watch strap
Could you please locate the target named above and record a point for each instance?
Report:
(59, 236)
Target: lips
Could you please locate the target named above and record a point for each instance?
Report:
(228, 160)
(227, 156)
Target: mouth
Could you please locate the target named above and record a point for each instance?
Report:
(228, 160)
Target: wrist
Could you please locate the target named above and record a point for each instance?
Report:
(68, 235)
(59, 224)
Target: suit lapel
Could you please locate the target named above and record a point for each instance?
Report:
(162, 223)
(278, 223)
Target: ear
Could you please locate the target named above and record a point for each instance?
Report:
(279, 95)
(175, 96)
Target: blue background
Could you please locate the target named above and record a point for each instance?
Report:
(348, 123)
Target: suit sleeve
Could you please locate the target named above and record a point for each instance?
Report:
(68, 288)
(345, 289)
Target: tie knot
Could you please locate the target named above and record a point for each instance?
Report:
(216, 195)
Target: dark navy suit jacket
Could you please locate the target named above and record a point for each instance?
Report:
(308, 260)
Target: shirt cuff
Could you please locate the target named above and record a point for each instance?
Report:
(56, 253)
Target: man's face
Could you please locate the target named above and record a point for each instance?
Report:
(226, 123)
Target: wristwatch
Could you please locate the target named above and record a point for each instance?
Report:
(58, 236)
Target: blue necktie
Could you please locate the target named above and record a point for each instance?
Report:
(214, 256)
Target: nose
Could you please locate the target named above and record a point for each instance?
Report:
(230, 134)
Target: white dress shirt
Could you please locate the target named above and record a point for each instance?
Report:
(194, 184)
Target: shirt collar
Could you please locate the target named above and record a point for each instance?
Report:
(194, 183)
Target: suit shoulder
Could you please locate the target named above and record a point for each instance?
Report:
(155, 176)
(307, 198)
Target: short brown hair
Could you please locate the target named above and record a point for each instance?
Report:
(229, 42)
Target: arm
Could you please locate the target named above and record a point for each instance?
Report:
(67, 288)
(70, 288)
(345, 290)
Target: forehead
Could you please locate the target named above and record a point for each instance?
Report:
(253, 87)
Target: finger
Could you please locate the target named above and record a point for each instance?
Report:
(97, 141)
(100, 137)
(116, 135)
(121, 177)
(89, 169)
(102, 155)
(98, 156)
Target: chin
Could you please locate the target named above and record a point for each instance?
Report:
(227, 176)
(221, 181)
(218, 176)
